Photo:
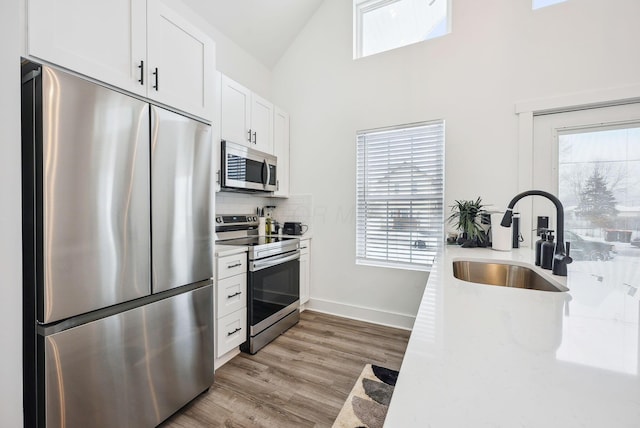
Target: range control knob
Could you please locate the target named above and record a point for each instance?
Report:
(218, 219)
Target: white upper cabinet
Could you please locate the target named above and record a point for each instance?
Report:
(235, 112)
(281, 150)
(105, 40)
(245, 117)
(122, 42)
(262, 124)
(181, 62)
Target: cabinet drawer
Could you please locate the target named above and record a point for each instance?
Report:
(231, 265)
(231, 295)
(231, 332)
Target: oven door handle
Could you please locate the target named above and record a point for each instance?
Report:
(270, 262)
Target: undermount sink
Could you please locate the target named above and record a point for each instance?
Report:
(502, 274)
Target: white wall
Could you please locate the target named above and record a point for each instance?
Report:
(10, 218)
(500, 52)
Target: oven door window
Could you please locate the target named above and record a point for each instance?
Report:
(274, 289)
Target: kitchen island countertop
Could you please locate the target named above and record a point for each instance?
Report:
(489, 356)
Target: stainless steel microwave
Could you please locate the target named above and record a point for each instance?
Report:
(247, 169)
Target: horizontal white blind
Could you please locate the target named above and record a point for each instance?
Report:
(400, 186)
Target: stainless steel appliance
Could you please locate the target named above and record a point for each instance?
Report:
(273, 280)
(118, 299)
(247, 169)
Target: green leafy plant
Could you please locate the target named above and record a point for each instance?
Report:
(465, 215)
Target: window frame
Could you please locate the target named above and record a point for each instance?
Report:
(360, 7)
(435, 228)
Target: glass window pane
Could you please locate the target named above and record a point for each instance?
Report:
(599, 186)
(399, 191)
(386, 25)
(537, 4)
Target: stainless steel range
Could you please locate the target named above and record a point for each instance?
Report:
(273, 280)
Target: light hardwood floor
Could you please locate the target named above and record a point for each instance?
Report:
(301, 379)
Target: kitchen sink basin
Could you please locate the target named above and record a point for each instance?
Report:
(502, 274)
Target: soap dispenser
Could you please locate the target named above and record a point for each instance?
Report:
(539, 242)
(548, 249)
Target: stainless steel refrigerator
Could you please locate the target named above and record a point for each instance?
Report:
(118, 299)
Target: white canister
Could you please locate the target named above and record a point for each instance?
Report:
(500, 235)
(262, 226)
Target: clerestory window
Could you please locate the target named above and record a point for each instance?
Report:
(538, 4)
(382, 25)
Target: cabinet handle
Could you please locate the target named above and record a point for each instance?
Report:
(155, 73)
(237, 293)
(255, 137)
(277, 185)
(249, 135)
(232, 266)
(141, 67)
(234, 331)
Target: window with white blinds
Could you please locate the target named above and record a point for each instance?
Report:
(400, 186)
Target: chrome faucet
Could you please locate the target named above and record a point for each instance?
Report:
(561, 258)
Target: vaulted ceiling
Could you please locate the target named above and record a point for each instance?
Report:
(264, 28)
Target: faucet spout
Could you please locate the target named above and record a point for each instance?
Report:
(561, 256)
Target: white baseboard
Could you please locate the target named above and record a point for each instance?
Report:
(361, 313)
(219, 362)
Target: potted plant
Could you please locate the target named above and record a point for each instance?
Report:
(466, 215)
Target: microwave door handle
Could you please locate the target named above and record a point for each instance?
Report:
(265, 172)
(268, 173)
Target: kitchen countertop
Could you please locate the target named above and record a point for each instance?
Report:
(489, 356)
(228, 250)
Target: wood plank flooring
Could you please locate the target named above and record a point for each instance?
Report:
(301, 379)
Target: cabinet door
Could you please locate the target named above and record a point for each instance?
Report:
(304, 276)
(231, 295)
(181, 62)
(235, 111)
(262, 124)
(231, 332)
(103, 40)
(281, 151)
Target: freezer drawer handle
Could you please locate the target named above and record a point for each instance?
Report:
(141, 67)
(233, 266)
(234, 331)
(237, 293)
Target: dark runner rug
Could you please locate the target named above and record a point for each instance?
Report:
(369, 399)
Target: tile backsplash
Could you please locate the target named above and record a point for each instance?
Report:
(295, 208)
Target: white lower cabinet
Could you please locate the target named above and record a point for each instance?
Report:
(231, 303)
(305, 247)
(231, 331)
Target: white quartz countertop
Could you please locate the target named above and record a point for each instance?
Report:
(228, 250)
(489, 356)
